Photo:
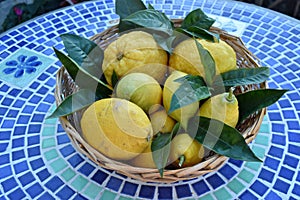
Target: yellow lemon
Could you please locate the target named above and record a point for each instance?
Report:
(131, 50)
(117, 128)
(144, 160)
(182, 114)
(185, 151)
(186, 57)
(160, 120)
(139, 88)
(223, 107)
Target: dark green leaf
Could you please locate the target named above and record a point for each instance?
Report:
(160, 148)
(85, 53)
(243, 76)
(126, 8)
(165, 43)
(197, 18)
(74, 102)
(114, 78)
(220, 138)
(150, 6)
(192, 89)
(152, 19)
(197, 32)
(250, 102)
(207, 62)
(82, 78)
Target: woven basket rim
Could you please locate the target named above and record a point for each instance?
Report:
(146, 174)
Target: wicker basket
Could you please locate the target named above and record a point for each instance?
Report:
(71, 124)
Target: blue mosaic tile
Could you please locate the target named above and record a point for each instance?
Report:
(266, 175)
(259, 188)
(86, 169)
(248, 195)
(147, 192)
(35, 190)
(129, 188)
(65, 193)
(114, 183)
(273, 196)
(281, 186)
(99, 177)
(183, 191)
(165, 193)
(54, 183)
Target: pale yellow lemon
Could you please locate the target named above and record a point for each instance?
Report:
(144, 159)
(131, 50)
(160, 120)
(117, 128)
(186, 57)
(139, 88)
(185, 151)
(223, 107)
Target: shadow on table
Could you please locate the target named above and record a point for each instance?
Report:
(288, 7)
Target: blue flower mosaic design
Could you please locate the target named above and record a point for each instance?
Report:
(23, 64)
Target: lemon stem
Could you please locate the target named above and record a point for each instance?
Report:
(119, 56)
(229, 98)
(181, 160)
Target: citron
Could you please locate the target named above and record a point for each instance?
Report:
(185, 57)
(185, 151)
(117, 128)
(160, 120)
(223, 107)
(182, 114)
(131, 50)
(144, 160)
(140, 89)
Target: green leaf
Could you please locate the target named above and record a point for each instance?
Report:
(82, 78)
(220, 138)
(243, 76)
(198, 32)
(192, 89)
(126, 8)
(252, 101)
(152, 19)
(165, 43)
(207, 62)
(74, 102)
(85, 53)
(197, 18)
(150, 6)
(114, 78)
(160, 148)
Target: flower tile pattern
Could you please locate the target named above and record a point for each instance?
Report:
(38, 161)
(23, 66)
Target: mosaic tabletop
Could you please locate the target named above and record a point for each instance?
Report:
(38, 161)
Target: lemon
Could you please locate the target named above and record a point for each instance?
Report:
(117, 128)
(182, 114)
(223, 107)
(131, 50)
(140, 89)
(144, 160)
(160, 120)
(186, 57)
(185, 151)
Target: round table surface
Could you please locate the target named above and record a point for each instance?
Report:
(38, 161)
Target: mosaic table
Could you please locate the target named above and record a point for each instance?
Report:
(38, 161)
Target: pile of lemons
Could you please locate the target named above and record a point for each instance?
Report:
(122, 127)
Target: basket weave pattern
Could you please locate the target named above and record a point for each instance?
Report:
(71, 124)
